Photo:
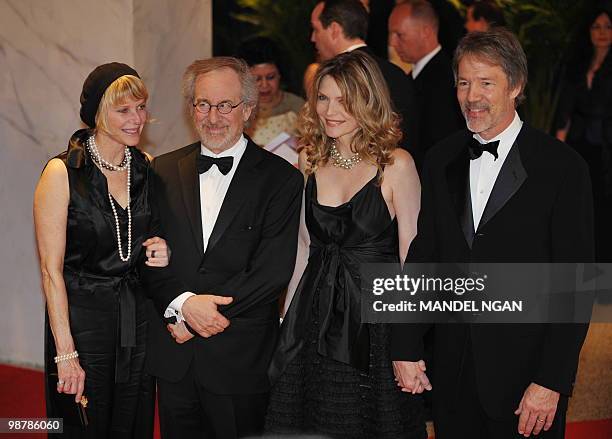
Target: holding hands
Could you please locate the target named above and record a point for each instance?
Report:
(411, 377)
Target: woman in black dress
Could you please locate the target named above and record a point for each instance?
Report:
(584, 120)
(93, 216)
(331, 373)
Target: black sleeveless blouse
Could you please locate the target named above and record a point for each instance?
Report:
(95, 276)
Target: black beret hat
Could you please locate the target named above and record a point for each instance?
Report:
(96, 84)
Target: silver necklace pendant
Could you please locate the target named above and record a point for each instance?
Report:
(341, 162)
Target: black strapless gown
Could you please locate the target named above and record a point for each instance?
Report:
(331, 374)
(107, 306)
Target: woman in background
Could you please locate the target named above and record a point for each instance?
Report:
(93, 216)
(584, 120)
(331, 373)
(277, 109)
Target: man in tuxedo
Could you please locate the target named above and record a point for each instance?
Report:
(500, 191)
(341, 26)
(413, 33)
(230, 212)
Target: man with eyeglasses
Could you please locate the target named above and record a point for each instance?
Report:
(229, 211)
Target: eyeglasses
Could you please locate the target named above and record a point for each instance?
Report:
(224, 107)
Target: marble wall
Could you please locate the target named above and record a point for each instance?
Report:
(168, 40)
(47, 48)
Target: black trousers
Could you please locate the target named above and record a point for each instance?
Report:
(467, 419)
(188, 411)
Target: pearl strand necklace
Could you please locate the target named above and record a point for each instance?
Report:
(93, 149)
(125, 165)
(341, 162)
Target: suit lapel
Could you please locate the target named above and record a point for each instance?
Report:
(458, 180)
(243, 183)
(511, 177)
(190, 185)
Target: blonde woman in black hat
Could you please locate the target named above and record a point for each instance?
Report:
(94, 230)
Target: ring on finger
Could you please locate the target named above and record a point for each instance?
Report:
(152, 253)
(540, 420)
(60, 382)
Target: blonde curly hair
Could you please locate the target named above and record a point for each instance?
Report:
(366, 97)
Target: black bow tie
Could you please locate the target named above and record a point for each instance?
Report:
(476, 148)
(204, 162)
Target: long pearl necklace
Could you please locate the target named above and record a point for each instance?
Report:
(341, 162)
(125, 165)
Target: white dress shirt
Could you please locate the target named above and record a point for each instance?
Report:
(354, 46)
(213, 188)
(420, 64)
(485, 169)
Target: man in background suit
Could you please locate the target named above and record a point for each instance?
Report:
(413, 33)
(483, 15)
(230, 213)
(500, 191)
(341, 26)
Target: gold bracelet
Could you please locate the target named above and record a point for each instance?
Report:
(65, 357)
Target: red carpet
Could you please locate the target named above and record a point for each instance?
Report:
(22, 396)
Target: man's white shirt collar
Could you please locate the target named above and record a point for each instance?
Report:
(420, 64)
(354, 46)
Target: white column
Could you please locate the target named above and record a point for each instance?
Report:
(47, 48)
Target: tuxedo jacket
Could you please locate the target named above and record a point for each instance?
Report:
(250, 257)
(404, 100)
(540, 210)
(439, 112)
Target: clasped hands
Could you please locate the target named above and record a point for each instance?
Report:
(201, 313)
(411, 376)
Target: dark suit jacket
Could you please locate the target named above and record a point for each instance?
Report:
(403, 97)
(540, 210)
(250, 256)
(439, 112)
